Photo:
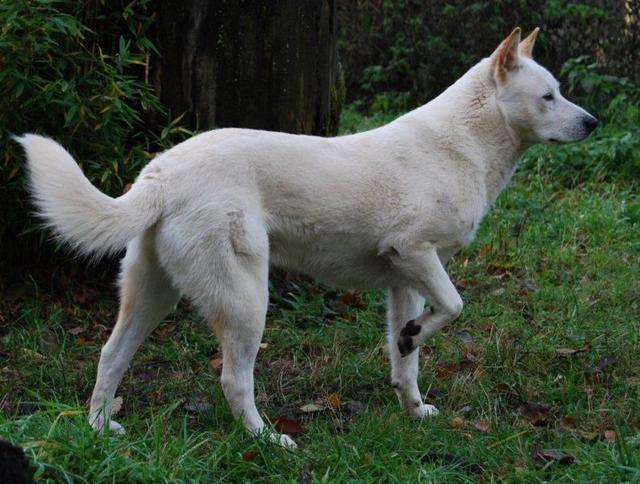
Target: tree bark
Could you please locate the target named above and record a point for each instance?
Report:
(264, 64)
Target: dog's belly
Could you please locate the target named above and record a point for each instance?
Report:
(357, 269)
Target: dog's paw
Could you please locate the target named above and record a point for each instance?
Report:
(282, 440)
(424, 410)
(287, 442)
(114, 427)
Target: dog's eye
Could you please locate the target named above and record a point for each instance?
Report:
(548, 97)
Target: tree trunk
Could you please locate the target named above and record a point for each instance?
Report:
(265, 64)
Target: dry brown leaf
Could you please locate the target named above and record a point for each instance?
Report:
(483, 426)
(81, 340)
(263, 347)
(456, 423)
(116, 405)
(334, 400)
(215, 362)
(544, 456)
(466, 283)
(610, 435)
(286, 425)
(76, 330)
(49, 341)
(571, 351)
(249, 455)
(163, 331)
(538, 414)
(446, 370)
(352, 299)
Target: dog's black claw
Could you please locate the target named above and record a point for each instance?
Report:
(405, 345)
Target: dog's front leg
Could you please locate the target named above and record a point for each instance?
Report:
(424, 271)
(403, 305)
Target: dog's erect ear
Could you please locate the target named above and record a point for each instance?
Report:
(505, 58)
(525, 48)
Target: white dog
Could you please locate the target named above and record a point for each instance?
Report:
(384, 208)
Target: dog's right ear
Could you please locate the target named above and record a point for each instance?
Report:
(526, 46)
(505, 58)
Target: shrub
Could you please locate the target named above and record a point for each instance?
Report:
(74, 71)
(413, 49)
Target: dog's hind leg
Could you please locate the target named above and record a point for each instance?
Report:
(404, 305)
(239, 324)
(146, 296)
(424, 271)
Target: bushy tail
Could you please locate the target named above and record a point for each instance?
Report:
(76, 210)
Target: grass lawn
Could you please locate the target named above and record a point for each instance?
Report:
(537, 381)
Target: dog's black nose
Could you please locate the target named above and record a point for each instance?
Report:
(590, 123)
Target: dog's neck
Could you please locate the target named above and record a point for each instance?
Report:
(474, 127)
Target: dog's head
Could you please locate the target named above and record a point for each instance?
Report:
(529, 96)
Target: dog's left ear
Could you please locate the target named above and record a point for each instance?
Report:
(505, 57)
(525, 48)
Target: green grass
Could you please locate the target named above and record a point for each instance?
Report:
(552, 267)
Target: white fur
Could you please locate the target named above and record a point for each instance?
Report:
(384, 208)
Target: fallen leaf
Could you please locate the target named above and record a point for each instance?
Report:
(500, 270)
(466, 283)
(116, 405)
(571, 351)
(334, 400)
(312, 407)
(286, 425)
(77, 330)
(249, 455)
(163, 331)
(537, 414)
(456, 423)
(465, 337)
(605, 361)
(215, 362)
(197, 404)
(486, 327)
(568, 426)
(610, 435)
(545, 456)
(566, 351)
(483, 426)
(352, 407)
(352, 299)
(81, 340)
(502, 387)
(49, 341)
(436, 395)
(263, 347)
(446, 370)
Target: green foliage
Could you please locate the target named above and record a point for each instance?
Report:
(413, 50)
(75, 71)
(567, 261)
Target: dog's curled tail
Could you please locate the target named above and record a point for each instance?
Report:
(78, 212)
